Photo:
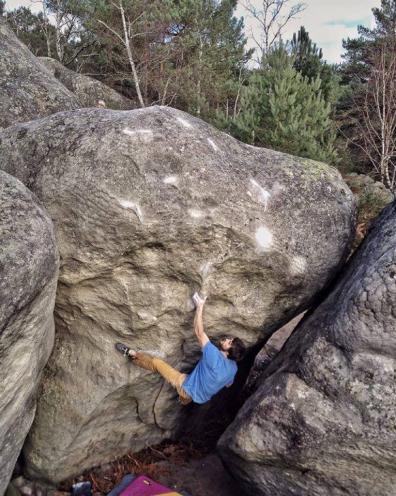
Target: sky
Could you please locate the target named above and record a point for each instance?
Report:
(327, 21)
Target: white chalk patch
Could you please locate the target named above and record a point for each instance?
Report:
(127, 204)
(213, 145)
(298, 265)
(302, 394)
(205, 269)
(196, 214)
(264, 238)
(277, 188)
(146, 316)
(171, 180)
(263, 194)
(183, 122)
(132, 206)
(146, 135)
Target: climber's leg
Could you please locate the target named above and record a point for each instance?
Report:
(171, 375)
(154, 364)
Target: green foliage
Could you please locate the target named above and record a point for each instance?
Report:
(370, 204)
(215, 42)
(188, 53)
(307, 56)
(308, 61)
(285, 110)
(191, 54)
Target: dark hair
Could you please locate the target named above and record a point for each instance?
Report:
(237, 350)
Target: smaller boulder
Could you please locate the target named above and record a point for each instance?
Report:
(28, 278)
(90, 92)
(27, 89)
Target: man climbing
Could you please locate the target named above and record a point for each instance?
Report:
(216, 368)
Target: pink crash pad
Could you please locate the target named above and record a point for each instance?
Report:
(144, 486)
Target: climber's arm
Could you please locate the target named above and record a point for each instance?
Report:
(198, 325)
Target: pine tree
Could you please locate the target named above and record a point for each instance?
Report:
(307, 56)
(212, 43)
(188, 53)
(283, 109)
(308, 60)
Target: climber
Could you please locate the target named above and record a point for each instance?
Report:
(216, 368)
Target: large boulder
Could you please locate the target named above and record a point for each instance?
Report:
(323, 419)
(28, 275)
(90, 92)
(150, 205)
(27, 88)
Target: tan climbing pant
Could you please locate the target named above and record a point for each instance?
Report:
(171, 375)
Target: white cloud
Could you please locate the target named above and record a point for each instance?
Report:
(35, 5)
(327, 21)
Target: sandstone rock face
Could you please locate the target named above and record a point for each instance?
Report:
(27, 89)
(323, 420)
(149, 206)
(89, 91)
(28, 273)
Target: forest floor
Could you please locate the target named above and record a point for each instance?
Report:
(175, 465)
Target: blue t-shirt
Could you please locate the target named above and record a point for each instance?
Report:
(212, 373)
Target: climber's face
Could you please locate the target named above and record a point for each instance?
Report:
(226, 343)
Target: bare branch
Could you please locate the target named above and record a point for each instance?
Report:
(376, 121)
(272, 18)
(112, 31)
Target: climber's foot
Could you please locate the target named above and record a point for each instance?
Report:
(123, 348)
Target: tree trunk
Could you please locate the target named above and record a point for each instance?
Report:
(58, 30)
(199, 76)
(46, 31)
(130, 57)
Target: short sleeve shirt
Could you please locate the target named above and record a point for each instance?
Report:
(212, 373)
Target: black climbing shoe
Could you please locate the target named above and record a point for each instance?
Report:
(122, 348)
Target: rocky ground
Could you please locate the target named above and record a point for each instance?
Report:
(179, 466)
